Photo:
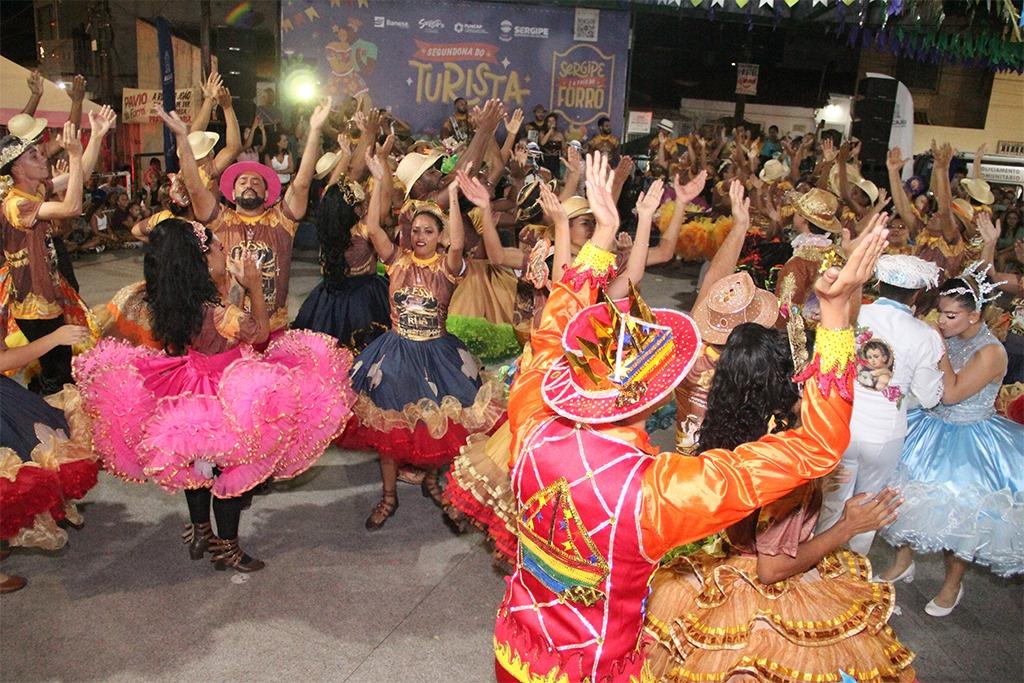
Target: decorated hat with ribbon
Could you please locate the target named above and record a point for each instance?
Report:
(621, 358)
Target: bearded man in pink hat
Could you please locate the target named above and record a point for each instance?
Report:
(258, 224)
(596, 505)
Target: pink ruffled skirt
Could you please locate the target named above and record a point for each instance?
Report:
(227, 421)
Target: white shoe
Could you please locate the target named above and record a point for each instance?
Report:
(907, 576)
(937, 611)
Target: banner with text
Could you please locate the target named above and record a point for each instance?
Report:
(416, 58)
(137, 105)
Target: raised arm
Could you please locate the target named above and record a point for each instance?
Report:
(686, 498)
(100, 123)
(512, 126)
(382, 244)
(943, 195)
(454, 258)
(639, 254)
(204, 203)
(71, 205)
(344, 157)
(369, 129)
(35, 89)
(210, 89)
(66, 335)
(685, 194)
(296, 198)
(473, 190)
(895, 163)
(77, 94)
(232, 138)
(976, 165)
(573, 173)
(725, 259)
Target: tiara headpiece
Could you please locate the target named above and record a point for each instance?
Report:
(978, 287)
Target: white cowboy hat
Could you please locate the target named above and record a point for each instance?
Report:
(773, 170)
(413, 165)
(26, 126)
(978, 190)
(202, 143)
(325, 164)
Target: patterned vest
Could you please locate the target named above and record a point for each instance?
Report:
(582, 580)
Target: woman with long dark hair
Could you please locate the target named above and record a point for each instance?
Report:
(777, 599)
(350, 302)
(209, 415)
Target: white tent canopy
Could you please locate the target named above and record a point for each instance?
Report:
(54, 105)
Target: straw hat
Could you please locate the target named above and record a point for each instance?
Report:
(819, 207)
(576, 206)
(26, 127)
(325, 164)
(773, 171)
(413, 165)
(963, 210)
(853, 177)
(734, 300)
(202, 143)
(619, 359)
(666, 125)
(978, 190)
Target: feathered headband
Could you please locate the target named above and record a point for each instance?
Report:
(978, 287)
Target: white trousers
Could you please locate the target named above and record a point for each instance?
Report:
(867, 467)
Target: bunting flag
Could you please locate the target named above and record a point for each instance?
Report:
(770, 4)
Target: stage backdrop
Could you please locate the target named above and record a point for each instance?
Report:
(416, 57)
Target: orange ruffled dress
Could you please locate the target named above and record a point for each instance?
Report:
(711, 619)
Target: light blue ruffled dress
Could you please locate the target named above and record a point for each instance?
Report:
(962, 477)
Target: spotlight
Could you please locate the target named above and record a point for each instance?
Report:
(301, 85)
(62, 85)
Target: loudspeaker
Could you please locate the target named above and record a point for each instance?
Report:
(872, 123)
(236, 61)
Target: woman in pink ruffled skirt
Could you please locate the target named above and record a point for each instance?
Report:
(210, 415)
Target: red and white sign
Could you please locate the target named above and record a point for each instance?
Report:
(137, 106)
(746, 79)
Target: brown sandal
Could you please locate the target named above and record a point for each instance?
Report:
(430, 489)
(226, 553)
(386, 506)
(198, 537)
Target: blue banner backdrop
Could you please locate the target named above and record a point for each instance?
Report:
(416, 57)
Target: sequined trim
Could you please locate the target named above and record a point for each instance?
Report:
(835, 363)
(593, 266)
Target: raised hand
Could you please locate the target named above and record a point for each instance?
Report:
(838, 284)
(61, 167)
(688, 192)
(224, 98)
(599, 193)
(740, 205)
(35, 83)
(492, 112)
(473, 190)
(512, 125)
(172, 121)
(384, 150)
(77, 90)
(69, 142)
(320, 113)
(212, 85)
(102, 121)
(828, 150)
(551, 206)
(252, 279)
(374, 164)
(894, 160)
(989, 232)
(648, 202)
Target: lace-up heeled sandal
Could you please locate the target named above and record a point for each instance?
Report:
(197, 537)
(431, 489)
(385, 508)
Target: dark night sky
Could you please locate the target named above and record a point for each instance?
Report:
(18, 34)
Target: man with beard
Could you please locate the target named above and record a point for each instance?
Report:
(457, 126)
(258, 223)
(604, 141)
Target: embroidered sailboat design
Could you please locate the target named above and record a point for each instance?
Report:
(555, 547)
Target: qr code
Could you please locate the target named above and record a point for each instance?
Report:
(586, 25)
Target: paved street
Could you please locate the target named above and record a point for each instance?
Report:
(122, 602)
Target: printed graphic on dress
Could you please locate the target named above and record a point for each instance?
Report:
(876, 359)
(418, 315)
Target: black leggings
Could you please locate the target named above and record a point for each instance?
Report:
(56, 363)
(228, 511)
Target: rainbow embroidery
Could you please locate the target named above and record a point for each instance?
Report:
(555, 547)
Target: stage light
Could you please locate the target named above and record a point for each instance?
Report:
(301, 85)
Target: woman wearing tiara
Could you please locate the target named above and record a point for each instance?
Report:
(962, 473)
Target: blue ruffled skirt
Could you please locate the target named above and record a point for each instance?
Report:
(355, 314)
(963, 489)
